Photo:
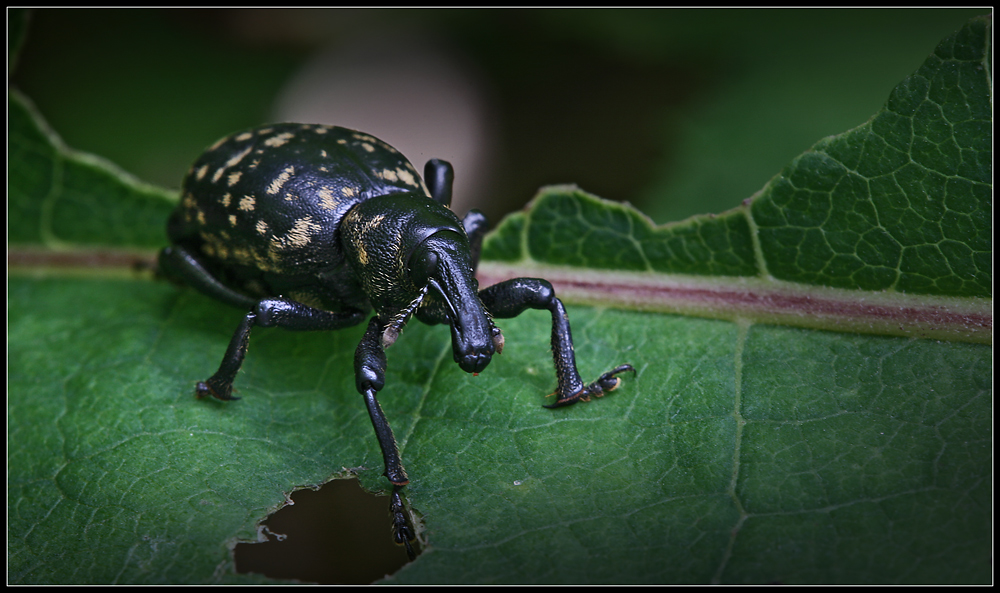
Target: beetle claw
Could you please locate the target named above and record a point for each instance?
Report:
(204, 389)
(581, 395)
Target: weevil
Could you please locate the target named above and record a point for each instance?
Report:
(312, 227)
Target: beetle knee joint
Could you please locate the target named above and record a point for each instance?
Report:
(543, 294)
(268, 311)
(366, 376)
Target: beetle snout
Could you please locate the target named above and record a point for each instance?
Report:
(474, 362)
(472, 345)
(472, 352)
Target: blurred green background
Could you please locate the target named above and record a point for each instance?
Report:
(680, 112)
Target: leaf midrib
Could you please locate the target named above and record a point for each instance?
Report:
(760, 300)
(732, 298)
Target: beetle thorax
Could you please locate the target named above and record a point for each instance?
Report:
(379, 236)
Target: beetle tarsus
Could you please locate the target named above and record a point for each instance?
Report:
(402, 532)
(606, 382)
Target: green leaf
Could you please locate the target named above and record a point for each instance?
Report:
(748, 448)
(900, 208)
(64, 199)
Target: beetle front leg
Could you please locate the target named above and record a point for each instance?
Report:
(269, 313)
(369, 374)
(475, 225)
(512, 297)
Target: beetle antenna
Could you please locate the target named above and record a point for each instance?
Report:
(395, 325)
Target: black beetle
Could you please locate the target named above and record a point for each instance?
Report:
(310, 227)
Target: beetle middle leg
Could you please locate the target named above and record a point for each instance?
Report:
(273, 312)
(369, 375)
(512, 297)
(183, 264)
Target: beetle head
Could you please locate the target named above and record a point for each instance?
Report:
(442, 262)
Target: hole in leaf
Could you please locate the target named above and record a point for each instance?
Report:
(339, 534)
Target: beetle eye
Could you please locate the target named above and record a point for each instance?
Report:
(423, 265)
